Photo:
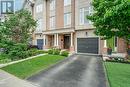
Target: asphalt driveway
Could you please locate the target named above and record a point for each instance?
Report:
(77, 71)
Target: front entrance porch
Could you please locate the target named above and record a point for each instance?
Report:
(62, 41)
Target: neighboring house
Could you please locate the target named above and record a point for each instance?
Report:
(63, 24)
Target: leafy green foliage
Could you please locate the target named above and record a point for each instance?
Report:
(15, 32)
(65, 53)
(17, 27)
(111, 18)
(56, 52)
(50, 51)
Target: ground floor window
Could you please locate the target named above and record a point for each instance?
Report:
(112, 43)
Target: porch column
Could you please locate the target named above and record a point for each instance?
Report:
(55, 42)
(105, 43)
(105, 47)
(57, 37)
(44, 39)
(71, 40)
(72, 43)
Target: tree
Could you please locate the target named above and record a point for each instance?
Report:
(15, 32)
(17, 27)
(111, 18)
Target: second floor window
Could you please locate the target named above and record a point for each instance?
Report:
(67, 2)
(39, 25)
(83, 12)
(52, 22)
(39, 8)
(67, 19)
(52, 4)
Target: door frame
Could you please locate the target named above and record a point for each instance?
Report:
(99, 47)
(42, 42)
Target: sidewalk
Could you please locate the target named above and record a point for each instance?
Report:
(8, 80)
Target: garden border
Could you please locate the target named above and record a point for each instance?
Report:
(6, 64)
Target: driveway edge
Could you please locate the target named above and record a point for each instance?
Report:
(106, 75)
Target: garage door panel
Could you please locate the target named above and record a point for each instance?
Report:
(88, 45)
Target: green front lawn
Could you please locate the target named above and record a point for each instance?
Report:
(30, 67)
(118, 74)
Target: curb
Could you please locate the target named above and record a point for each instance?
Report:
(106, 75)
(89, 54)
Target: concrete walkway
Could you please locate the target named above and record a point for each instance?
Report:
(8, 80)
(77, 71)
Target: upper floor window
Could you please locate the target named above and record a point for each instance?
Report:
(67, 2)
(39, 25)
(52, 4)
(52, 22)
(83, 12)
(39, 8)
(67, 19)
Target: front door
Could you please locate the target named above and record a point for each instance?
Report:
(40, 43)
(66, 42)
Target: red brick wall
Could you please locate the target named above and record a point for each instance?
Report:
(121, 46)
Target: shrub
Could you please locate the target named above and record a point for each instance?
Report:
(18, 51)
(41, 51)
(65, 53)
(32, 47)
(50, 51)
(3, 56)
(32, 52)
(56, 51)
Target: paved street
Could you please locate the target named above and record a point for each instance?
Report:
(77, 71)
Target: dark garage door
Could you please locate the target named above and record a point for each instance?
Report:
(87, 45)
(40, 43)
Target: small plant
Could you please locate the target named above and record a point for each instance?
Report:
(41, 51)
(56, 51)
(50, 51)
(65, 53)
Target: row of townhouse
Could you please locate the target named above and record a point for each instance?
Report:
(63, 24)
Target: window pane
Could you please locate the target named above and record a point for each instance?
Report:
(52, 4)
(67, 2)
(39, 25)
(52, 22)
(39, 8)
(67, 19)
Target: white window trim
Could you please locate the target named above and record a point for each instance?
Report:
(82, 16)
(52, 22)
(67, 20)
(52, 4)
(67, 2)
(39, 8)
(39, 25)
